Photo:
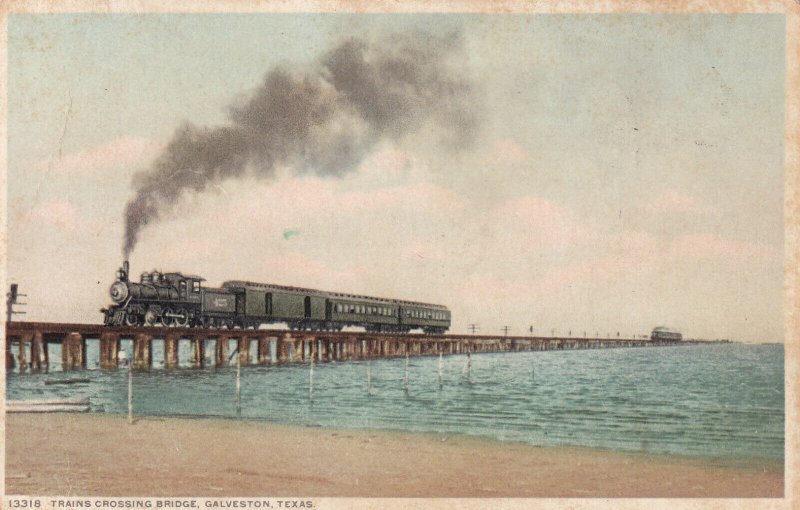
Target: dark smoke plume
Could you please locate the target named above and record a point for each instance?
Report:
(323, 120)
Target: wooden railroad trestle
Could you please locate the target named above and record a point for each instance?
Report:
(31, 339)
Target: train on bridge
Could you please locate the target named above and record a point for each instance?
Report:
(665, 333)
(176, 299)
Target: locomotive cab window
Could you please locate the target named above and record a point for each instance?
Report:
(195, 286)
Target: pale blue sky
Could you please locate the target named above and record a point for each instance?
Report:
(641, 133)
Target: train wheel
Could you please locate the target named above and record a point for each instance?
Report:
(166, 317)
(131, 319)
(183, 318)
(150, 317)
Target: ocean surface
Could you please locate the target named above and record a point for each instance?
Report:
(713, 401)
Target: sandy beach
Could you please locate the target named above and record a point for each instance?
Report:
(82, 454)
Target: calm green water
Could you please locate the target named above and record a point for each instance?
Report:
(705, 401)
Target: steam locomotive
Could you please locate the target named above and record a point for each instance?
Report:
(179, 300)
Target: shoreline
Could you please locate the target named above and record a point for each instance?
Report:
(742, 462)
(101, 454)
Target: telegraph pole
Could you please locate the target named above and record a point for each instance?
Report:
(11, 300)
(473, 328)
(505, 330)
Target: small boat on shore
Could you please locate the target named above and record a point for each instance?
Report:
(64, 405)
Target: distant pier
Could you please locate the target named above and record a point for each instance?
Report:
(31, 341)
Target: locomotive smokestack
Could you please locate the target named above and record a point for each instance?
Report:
(125, 270)
(321, 119)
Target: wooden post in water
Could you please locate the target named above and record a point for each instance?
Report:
(23, 364)
(369, 378)
(405, 377)
(441, 371)
(84, 352)
(36, 347)
(130, 392)
(221, 351)
(322, 350)
(171, 350)
(239, 382)
(243, 346)
(105, 350)
(198, 352)
(45, 354)
(73, 353)
(311, 380)
(9, 356)
(36, 351)
(142, 350)
(283, 348)
(297, 350)
(263, 350)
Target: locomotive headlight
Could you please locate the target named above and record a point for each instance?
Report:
(119, 292)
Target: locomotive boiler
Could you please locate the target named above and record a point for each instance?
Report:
(178, 300)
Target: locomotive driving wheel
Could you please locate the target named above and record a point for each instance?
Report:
(168, 317)
(150, 317)
(182, 318)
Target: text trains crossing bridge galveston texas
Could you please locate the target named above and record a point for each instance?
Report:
(31, 342)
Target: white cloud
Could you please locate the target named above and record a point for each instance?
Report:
(672, 201)
(60, 213)
(120, 152)
(507, 151)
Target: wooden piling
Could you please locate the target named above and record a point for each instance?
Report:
(244, 350)
(45, 354)
(35, 347)
(9, 357)
(38, 352)
(171, 350)
(313, 350)
(143, 351)
(263, 350)
(297, 350)
(221, 351)
(330, 346)
(21, 356)
(73, 351)
(109, 350)
(198, 352)
(283, 348)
